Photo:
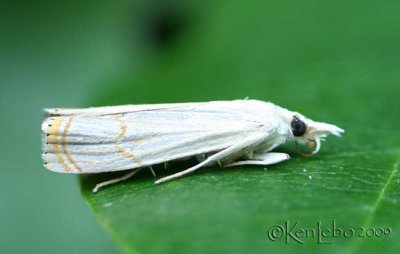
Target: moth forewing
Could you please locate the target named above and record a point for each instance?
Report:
(137, 136)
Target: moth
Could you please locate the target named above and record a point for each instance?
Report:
(133, 137)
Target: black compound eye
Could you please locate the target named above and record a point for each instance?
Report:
(298, 127)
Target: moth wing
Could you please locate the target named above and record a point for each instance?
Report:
(113, 110)
(85, 143)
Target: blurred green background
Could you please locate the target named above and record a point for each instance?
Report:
(332, 60)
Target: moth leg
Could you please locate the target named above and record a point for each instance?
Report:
(215, 157)
(261, 159)
(201, 157)
(115, 180)
(152, 171)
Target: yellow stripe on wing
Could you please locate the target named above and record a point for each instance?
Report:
(53, 133)
(64, 144)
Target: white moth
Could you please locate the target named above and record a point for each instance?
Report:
(231, 133)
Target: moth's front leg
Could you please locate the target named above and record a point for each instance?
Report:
(261, 159)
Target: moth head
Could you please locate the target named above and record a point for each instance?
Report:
(310, 133)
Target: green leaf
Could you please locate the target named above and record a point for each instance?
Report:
(332, 63)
